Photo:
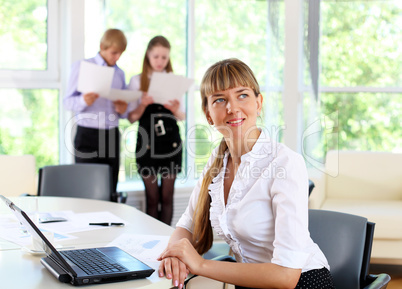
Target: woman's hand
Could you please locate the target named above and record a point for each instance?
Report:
(146, 99)
(137, 113)
(90, 98)
(185, 252)
(173, 269)
(173, 106)
(120, 106)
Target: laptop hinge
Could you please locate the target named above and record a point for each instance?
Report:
(56, 270)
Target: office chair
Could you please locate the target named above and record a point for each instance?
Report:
(346, 241)
(91, 181)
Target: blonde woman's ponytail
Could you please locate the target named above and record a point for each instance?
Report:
(202, 234)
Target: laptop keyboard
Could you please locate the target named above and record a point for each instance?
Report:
(91, 261)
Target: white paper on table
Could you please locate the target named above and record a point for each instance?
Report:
(80, 222)
(95, 78)
(11, 230)
(145, 248)
(168, 86)
(17, 236)
(125, 95)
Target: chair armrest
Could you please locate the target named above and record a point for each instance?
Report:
(225, 258)
(379, 281)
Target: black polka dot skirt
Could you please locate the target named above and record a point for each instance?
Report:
(316, 279)
(313, 279)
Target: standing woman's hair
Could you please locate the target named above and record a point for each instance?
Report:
(146, 66)
(223, 75)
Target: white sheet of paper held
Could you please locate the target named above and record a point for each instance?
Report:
(95, 78)
(168, 86)
(125, 95)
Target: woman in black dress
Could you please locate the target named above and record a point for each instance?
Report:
(159, 146)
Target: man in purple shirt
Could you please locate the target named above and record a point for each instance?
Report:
(98, 139)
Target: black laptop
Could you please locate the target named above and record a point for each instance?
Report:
(86, 266)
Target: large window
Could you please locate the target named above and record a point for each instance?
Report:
(140, 23)
(249, 30)
(228, 29)
(350, 83)
(358, 74)
(29, 124)
(29, 89)
(24, 48)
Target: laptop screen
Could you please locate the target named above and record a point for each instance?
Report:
(37, 235)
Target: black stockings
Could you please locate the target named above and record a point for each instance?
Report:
(159, 199)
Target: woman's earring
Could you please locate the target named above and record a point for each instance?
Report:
(258, 113)
(210, 121)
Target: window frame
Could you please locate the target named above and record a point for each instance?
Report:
(51, 77)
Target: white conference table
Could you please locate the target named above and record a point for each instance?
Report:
(21, 270)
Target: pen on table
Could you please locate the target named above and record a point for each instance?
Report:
(105, 224)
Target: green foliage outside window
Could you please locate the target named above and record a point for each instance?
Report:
(29, 121)
(360, 43)
(359, 47)
(366, 121)
(23, 34)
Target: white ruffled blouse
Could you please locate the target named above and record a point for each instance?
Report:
(265, 219)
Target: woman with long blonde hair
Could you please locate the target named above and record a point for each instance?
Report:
(253, 193)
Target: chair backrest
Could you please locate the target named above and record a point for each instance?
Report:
(91, 181)
(18, 175)
(367, 254)
(343, 240)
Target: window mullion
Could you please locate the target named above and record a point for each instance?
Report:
(190, 146)
(292, 100)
